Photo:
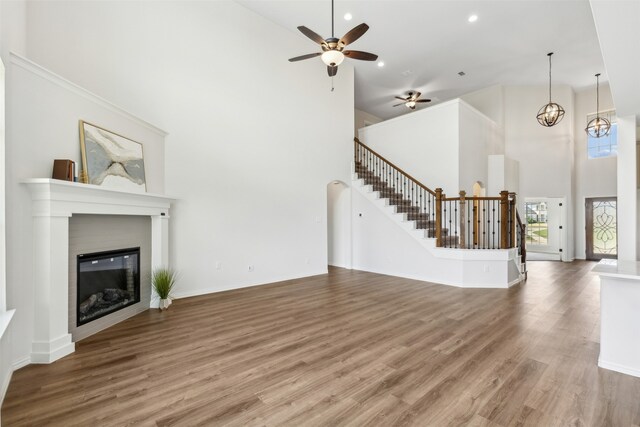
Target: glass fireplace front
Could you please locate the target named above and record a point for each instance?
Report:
(107, 282)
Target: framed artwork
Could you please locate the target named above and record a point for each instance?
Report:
(111, 160)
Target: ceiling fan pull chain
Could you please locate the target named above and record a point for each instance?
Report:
(332, 88)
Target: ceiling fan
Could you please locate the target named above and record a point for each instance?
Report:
(411, 100)
(333, 52)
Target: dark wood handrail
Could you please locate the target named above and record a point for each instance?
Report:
(418, 183)
(446, 199)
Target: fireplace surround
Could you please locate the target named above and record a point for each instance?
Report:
(53, 204)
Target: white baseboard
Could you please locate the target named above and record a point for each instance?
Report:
(205, 291)
(21, 363)
(48, 352)
(635, 372)
(516, 281)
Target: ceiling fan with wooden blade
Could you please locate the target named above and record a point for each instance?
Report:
(411, 100)
(333, 52)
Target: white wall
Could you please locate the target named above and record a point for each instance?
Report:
(503, 174)
(250, 175)
(423, 143)
(381, 246)
(440, 146)
(545, 155)
(478, 138)
(3, 276)
(593, 177)
(362, 119)
(627, 189)
(339, 224)
(12, 37)
(490, 101)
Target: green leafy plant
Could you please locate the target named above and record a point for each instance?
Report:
(163, 280)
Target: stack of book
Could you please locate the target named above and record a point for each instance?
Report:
(64, 169)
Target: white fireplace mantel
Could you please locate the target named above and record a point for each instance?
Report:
(54, 202)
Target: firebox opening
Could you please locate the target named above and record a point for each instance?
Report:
(107, 282)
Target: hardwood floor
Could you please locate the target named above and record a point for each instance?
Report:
(347, 348)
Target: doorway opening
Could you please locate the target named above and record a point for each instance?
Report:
(601, 228)
(544, 217)
(338, 224)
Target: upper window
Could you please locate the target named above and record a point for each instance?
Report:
(606, 146)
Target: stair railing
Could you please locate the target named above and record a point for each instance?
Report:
(460, 222)
(416, 199)
(521, 243)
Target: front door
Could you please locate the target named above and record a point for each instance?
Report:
(601, 227)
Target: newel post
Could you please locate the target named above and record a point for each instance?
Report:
(439, 217)
(504, 223)
(514, 222)
(463, 220)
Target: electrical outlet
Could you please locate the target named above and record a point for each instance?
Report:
(486, 268)
(250, 267)
(218, 265)
(306, 260)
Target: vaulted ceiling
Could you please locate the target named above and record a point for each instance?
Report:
(425, 44)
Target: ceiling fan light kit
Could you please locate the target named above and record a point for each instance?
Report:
(551, 113)
(332, 58)
(333, 52)
(599, 126)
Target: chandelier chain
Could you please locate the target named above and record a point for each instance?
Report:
(597, 94)
(550, 76)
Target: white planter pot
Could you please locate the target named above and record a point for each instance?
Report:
(165, 303)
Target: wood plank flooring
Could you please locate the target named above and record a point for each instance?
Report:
(347, 348)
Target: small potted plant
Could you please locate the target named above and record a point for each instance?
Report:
(163, 279)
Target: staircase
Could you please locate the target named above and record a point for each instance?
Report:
(423, 219)
(459, 222)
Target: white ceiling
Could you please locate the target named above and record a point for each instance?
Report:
(424, 44)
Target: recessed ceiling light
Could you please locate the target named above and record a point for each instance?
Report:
(380, 64)
(348, 16)
(473, 18)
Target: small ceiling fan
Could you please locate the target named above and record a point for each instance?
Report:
(411, 100)
(333, 52)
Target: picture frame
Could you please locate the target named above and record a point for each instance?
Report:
(111, 160)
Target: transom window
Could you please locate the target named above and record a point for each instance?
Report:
(606, 146)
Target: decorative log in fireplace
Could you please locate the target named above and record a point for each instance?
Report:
(107, 282)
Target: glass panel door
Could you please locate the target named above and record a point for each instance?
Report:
(543, 223)
(601, 226)
(537, 226)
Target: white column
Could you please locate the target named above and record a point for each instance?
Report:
(159, 249)
(619, 316)
(627, 188)
(51, 338)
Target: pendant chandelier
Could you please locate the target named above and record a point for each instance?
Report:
(551, 113)
(599, 126)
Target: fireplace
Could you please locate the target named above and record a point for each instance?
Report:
(107, 282)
